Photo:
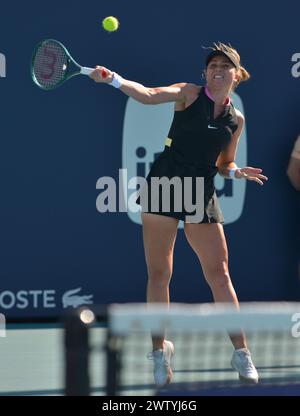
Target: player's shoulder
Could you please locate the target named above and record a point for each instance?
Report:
(239, 114)
(191, 92)
(240, 117)
(187, 86)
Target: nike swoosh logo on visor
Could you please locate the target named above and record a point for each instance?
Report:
(212, 127)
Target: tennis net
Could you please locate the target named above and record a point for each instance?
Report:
(203, 350)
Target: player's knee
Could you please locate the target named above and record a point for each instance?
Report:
(218, 277)
(159, 276)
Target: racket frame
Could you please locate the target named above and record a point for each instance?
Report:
(68, 75)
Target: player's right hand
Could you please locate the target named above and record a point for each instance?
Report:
(102, 74)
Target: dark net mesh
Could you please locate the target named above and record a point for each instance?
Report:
(50, 64)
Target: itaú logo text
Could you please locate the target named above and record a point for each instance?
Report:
(2, 66)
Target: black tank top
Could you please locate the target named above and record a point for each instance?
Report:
(199, 138)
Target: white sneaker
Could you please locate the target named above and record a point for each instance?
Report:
(242, 363)
(162, 364)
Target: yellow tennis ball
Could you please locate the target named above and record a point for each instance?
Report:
(110, 23)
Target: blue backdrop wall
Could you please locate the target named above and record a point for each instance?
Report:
(56, 247)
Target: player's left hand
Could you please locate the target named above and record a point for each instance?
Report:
(252, 174)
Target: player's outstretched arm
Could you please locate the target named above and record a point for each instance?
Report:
(145, 95)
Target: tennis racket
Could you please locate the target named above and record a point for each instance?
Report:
(52, 65)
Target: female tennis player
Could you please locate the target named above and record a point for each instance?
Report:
(202, 141)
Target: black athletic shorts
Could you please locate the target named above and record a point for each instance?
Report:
(168, 201)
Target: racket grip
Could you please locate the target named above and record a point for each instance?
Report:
(104, 73)
(86, 71)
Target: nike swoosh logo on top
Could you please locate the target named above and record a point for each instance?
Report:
(212, 127)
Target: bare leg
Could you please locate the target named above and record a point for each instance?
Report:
(159, 234)
(209, 243)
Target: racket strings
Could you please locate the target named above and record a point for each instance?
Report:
(50, 64)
